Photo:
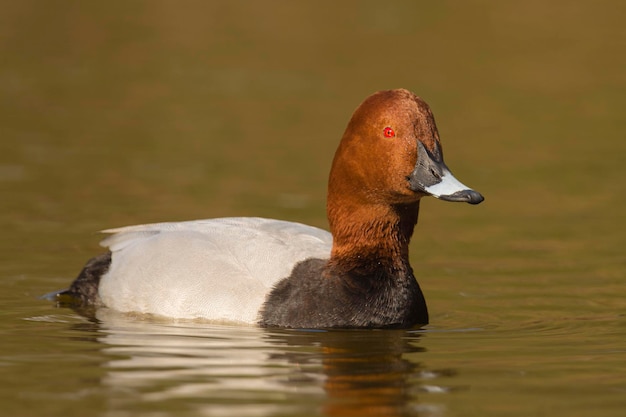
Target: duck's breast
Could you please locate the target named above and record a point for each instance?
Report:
(217, 269)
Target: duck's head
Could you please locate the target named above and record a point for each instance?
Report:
(390, 154)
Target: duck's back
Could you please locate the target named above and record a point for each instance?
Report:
(217, 269)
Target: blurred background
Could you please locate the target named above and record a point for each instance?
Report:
(128, 112)
(115, 113)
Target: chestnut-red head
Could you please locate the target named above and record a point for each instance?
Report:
(389, 157)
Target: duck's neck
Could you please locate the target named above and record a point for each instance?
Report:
(368, 238)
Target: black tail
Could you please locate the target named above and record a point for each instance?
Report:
(84, 289)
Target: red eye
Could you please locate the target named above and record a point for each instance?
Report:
(388, 132)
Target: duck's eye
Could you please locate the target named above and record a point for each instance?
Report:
(388, 132)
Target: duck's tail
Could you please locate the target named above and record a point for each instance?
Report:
(84, 289)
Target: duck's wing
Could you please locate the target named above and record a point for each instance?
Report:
(218, 269)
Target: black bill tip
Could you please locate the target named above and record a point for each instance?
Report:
(464, 196)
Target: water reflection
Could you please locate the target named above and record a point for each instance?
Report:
(365, 372)
(246, 371)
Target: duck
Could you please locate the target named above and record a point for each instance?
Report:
(283, 274)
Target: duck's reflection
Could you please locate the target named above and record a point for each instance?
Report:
(366, 373)
(247, 371)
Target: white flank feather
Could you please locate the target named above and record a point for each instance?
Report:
(217, 269)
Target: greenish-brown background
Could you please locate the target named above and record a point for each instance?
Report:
(123, 112)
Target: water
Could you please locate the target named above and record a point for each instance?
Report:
(139, 112)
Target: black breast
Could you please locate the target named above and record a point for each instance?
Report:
(317, 296)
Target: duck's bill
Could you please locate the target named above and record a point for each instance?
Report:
(451, 189)
(431, 176)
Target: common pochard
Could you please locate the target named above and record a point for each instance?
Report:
(286, 274)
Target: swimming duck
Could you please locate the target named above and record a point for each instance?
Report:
(276, 273)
